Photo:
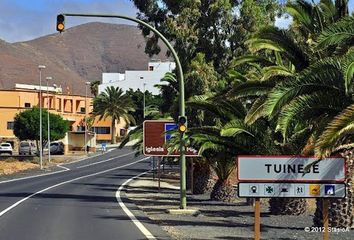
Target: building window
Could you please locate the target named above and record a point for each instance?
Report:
(10, 125)
(102, 130)
(151, 68)
(27, 105)
(82, 110)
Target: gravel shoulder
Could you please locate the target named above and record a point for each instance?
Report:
(217, 220)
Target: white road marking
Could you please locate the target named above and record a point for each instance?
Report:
(137, 223)
(40, 175)
(46, 174)
(63, 167)
(62, 183)
(107, 160)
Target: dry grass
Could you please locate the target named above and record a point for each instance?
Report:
(13, 166)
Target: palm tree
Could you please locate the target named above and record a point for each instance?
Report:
(115, 104)
(301, 102)
(94, 87)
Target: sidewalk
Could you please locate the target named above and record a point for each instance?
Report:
(217, 220)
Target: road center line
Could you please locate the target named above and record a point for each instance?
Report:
(63, 167)
(62, 183)
(137, 223)
(107, 160)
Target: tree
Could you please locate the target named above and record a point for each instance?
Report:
(151, 101)
(316, 98)
(215, 28)
(26, 126)
(115, 104)
(94, 87)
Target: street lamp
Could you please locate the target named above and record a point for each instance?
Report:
(40, 67)
(86, 84)
(48, 103)
(180, 78)
(144, 101)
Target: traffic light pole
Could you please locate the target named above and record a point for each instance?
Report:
(183, 198)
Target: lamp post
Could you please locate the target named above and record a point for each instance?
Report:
(144, 100)
(86, 84)
(180, 78)
(40, 67)
(48, 103)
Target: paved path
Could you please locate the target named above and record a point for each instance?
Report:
(76, 201)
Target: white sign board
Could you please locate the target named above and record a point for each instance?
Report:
(289, 169)
(301, 190)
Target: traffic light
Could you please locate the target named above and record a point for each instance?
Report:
(60, 23)
(182, 124)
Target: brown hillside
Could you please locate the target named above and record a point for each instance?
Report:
(79, 54)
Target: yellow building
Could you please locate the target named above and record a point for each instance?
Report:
(71, 107)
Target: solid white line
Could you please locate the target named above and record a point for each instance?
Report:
(46, 174)
(107, 160)
(137, 223)
(63, 167)
(62, 183)
(35, 176)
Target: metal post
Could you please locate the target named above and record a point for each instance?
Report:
(48, 144)
(40, 67)
(87, 83)
(183, 199)
(144, 101)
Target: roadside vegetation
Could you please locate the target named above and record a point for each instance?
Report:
(253, 88)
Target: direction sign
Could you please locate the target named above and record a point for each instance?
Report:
(156, 136)
(290, 169)
(301, 190)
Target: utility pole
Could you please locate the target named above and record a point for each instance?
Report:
(40, 67)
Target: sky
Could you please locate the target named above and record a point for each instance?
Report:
(22, 20)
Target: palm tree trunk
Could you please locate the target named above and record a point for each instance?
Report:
(113, 138)
(202, 178)
(223, 191)
(287, 206)
(340, 210)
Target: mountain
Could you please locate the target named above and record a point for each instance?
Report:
(78, 55)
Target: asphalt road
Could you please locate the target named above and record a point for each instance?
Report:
(75, 204)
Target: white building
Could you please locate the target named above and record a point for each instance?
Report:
(137, 79)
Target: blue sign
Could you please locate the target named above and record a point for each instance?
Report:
(330, 190)
(169, 127)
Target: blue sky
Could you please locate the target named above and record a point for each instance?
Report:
(22, 20)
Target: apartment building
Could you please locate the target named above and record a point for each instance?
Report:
(142, 79)
(71, 107)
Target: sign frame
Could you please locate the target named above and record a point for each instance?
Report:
(288, 180)
(161, 155)
(322, 185)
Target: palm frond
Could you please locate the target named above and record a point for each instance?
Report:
(235, 127)
(341, 126)
(337, 34)
(273, 38)
(257, 110)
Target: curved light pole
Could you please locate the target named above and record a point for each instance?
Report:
(183, 199)
(40, 67)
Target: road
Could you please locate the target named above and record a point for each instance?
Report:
(79, 203)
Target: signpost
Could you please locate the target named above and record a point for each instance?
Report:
(290, 176)
(156, 135)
